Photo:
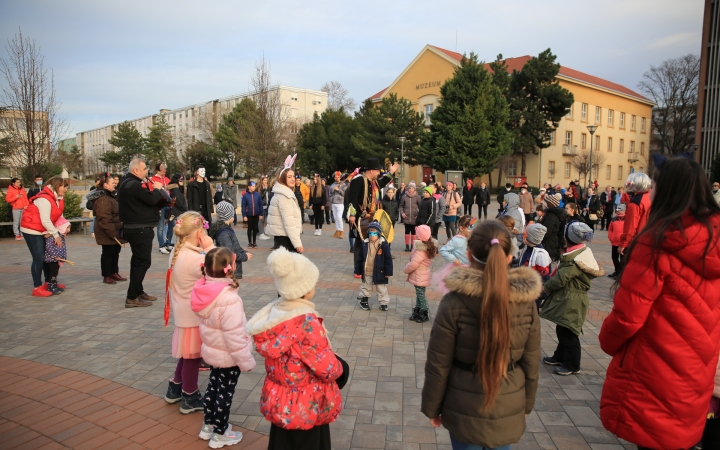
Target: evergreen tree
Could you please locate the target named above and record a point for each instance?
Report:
(326, 144)
(237, 135)
(128, 143)
(468, 128)
(159, 144)
(381, 127)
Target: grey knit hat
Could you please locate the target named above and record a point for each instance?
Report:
(411, 185)
(578, 232)
(224, 211)
(535, 233)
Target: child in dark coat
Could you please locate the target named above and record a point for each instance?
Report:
(224, 236)
(377, 267)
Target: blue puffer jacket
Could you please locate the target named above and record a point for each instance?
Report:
(383, 267)
(252, 204)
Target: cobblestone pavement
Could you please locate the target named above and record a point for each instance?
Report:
(87, 329)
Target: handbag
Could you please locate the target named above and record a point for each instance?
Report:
(593, 216)
(343, 379)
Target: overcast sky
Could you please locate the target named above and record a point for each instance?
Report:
(118, 60)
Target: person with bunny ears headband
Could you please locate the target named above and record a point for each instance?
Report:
(284, 222)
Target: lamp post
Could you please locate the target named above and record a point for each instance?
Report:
(402, 159)
(591, 129)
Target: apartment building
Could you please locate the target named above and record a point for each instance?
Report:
(707, 130)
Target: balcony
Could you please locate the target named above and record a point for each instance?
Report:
(632, 157)
(569, 150)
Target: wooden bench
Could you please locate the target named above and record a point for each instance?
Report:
(82, 220)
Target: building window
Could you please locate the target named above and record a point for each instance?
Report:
(567, 170)
(551, 169)
(568, 138)
(632, 123)
(512, 168)
(642, 148)
(598, 114)
(552, 137)
(583, 113)
(610, 117)
(569, 113)
(428, 112)
(632, 146)
(594, 172)
(608, 171)
(609, 147)
(622, 120)
(620, 170)
(622, 145)
(597, 143)
(583, 140)
(642, 125)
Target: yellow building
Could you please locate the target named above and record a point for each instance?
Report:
(622, 118)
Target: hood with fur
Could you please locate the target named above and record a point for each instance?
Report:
(95, 194)
(525, 283)
(585, 261)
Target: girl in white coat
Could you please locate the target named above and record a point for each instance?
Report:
(226, 345)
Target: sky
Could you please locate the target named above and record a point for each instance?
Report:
(121, 60)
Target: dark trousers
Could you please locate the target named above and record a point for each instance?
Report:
(283, 241)
(482, 211)
(36, 245)
(327, 214)
(187, 372)
(568, 348)
(317, 216)
(467, 209)
(302, 209)
(616, 258)
(316, 438)
(252, 230)
(109, 260)
(219, 395)
(140, 240)
(711, 435)
(52, 272)
(435, 230)
(450, 229)
(358, 255)
(606, 219)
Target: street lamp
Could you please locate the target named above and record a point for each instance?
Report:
(402, 158)
(591, 129)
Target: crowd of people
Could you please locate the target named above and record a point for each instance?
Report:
(500, 277)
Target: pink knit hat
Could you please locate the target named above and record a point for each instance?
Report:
(423, 232)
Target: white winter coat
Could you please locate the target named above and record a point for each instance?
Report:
(284, 216)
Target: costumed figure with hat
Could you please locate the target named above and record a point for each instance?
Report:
(364, 200)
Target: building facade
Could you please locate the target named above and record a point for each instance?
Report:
(197, 122)
(20, 131)
(622, 117)
(707, 130)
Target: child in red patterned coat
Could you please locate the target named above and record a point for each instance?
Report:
(300, 396)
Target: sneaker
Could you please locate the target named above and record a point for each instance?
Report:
(174, 394)
(208, 430)
(170, 245)
(228, 438)
(550, 361)
(264, 237)
(169, 248)
(562, 370)
(18, 238)
(357, 276)
(164, 251)
(319, 233)
(204, 366)
(383, 307)
(136, 303)
(364, 305)
(40, 291)
(191, 403)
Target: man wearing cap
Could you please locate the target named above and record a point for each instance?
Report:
(229, 194)
(200, 194)
(337, 198)
(364, 197)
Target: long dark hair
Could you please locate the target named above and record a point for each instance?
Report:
(680, 187)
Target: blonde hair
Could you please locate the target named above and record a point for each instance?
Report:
(187, 223)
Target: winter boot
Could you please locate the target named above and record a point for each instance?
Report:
(422, 316)
(340, 235)
(335, 234)
(191, 403)
(407, 242)
(415, 313)
(174, 393)
(364, 305)
(52, 287)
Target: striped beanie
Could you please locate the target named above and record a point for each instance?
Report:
(224, 211)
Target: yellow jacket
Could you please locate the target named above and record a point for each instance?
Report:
(305, 191)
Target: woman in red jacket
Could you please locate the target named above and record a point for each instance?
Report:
(664, 330)
(16, 197)
(638, 208)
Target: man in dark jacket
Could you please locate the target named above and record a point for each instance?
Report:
(482, 198)
(554, 220)
(607, 199)
(200, 194)
(139, 201)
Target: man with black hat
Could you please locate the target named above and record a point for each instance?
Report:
(200, 194)
(364, 197)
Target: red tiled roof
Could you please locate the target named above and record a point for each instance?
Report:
(519, 62)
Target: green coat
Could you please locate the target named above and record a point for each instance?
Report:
(567, 302)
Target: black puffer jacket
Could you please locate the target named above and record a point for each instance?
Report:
(554, 221)
(390, 207)
(176, 192)
(426, 214)
(457, 394)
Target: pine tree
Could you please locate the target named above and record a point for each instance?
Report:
(237, 135)
(326, 143)
(128, 142)
(468, 128)
(159, 144)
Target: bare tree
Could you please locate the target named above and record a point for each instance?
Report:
(33, 123)
(338, 97)
(503, 164)
(581, 163)
(673, 86)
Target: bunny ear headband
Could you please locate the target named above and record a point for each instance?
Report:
(289, 161)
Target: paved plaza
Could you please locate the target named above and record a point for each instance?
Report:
(88, 330)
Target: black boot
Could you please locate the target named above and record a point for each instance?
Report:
(174, 392)
(364, 304)
(415, 313)
(422, 316)
(407, 248)
(191, 403)
(52, 286)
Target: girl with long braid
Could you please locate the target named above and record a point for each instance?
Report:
(185, 270)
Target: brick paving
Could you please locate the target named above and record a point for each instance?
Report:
(87, 330)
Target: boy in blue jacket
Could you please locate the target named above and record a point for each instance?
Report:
(377, 267)
(252, 211)
(223, 234)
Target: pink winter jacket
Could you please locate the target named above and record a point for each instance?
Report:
(452, 202)
(225, 343)
(418, 268)
(186, 272)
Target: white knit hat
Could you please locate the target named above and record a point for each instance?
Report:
(224, 211)
(295, 275)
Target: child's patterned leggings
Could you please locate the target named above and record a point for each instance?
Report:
(421, 300)
(218, 397)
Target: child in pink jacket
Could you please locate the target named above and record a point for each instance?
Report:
(226, 345)
(425, 248)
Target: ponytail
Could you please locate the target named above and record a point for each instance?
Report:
(431, 248)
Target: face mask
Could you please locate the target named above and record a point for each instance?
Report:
(39, 182)
(373, 234)
(201, 173)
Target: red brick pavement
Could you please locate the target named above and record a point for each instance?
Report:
(47, 407)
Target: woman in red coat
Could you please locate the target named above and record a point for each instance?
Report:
(664, 330)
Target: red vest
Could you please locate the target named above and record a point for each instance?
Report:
(31, 216)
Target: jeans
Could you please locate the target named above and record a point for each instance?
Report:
(264, 221)
(92, 226)
(457, 445)
(161, 226)
(36, 245)
(17, 215)
(140, 240)
(169, 231)
(337, 210)
(109, 260)
(568, 348)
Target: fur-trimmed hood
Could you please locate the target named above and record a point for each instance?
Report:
(525, 283)
(585, 261)
(278, 312)
(172, 186)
